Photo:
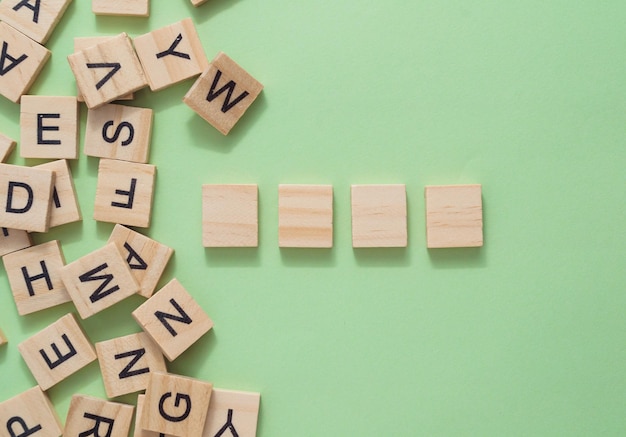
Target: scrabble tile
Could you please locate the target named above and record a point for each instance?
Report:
(171, 54)
(96, 417)
(98, 280)
(175, 405)
(13, 239)
(81, 43)
(223, 93)
(57, 351)
(25, 193)
(126, 363)
(230, 216)
(3, 338)
(305, 216)
(30, 413)
(124, 193)
(119, 132)
(21, 60)
(379, 216)
(232, 413)
(49, 127)
(35, 277)
(173, 319)
(454, 216)
(6, 147)
(197, 3)
(34, 18)
(64, 202)
(107, 71)
(138, 414)
(130, 8)
(146, 258)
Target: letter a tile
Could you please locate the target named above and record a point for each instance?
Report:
(34, 18)
(232, 413)
(30, 413)
(88, 416)
(57, 351)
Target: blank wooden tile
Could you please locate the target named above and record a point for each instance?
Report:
(107, 71)
(173, 319)
(175, 405)
(454, 216)
(57, 351)
(23, 61)
(35, 277)
(379, 216)
(64, 202)
(223, 93)
(129, 8)
(30, 413)
(126, 363)
(6, 147)
(305, 216)
(171, 54)
(230, 216)
(96, 417)
(25, 193)
(83, 42)
(13, 239)
(98, 280)
(119, 132)
(232, 413)
(146, 257)
(197, 3)
(124, 193)
(35, 19)
(138, 414)
(3, 338)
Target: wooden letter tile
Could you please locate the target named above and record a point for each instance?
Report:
(141, 399)
(173, 319)
(146, 258)
(35, 277)
(57, 351)
(171, 54)
(30, 413)
(232, 413)
(107, 71)
(130, 8)
(6, 147)
(124, 193)
(223, 93)
(21, 60)
(34, 18)
(230, 216)
(98, 280)
(379, 216)
(305, 216)
(454, 216)
(175, 405)
(25, 194)
(88, 416)
(3, 338)
(49, 127)
(119, 132)
(64, 202)
(126, 363)
(13, 239)
(197, 3)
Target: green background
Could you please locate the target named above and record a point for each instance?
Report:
(525, 336)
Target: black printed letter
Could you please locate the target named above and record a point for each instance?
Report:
(26, 431)
(4, 56)
(55, 349)
(136, 354)
(106, 278)
(228, 88)
(130, 193)
(34, 8)
(183, 318)
(41, 128)
(132, 254)
(95, 431)
(172, 51)
(30, 279)
(179, 397)
(118, 131)
(114, 66)
(29, 202)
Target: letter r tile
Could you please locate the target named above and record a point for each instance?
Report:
(89, 416)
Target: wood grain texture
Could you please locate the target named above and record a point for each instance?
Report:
(141, 399)
(14, 239)
(305, 216)
(7, 145)
(97, 417)
(230, 216)
(64, 202)
(35, 19)
(125, 8)
(379, 215)
(30, 410)
(233, 410)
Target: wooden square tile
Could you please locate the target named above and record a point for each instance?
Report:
(26, 194)
(232, 413)
(57, 351)
(3, 338)
(197, 3)
(305, 216)
(146, 257)
(128, 8)
(98, 280)
(13, 239)
(171, 54)
(223, 93)
(379, 216)
(30, 413)
(34, 18)
(173, 319)
(21, 61)
(64, 202)
(6, 147)
(138, 414)
(454, 216)
(119, 132)
(35, 277)
(89, 416)
(107, 71)
(230, 216)
(126, 363)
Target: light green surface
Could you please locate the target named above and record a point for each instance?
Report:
(525, 336)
